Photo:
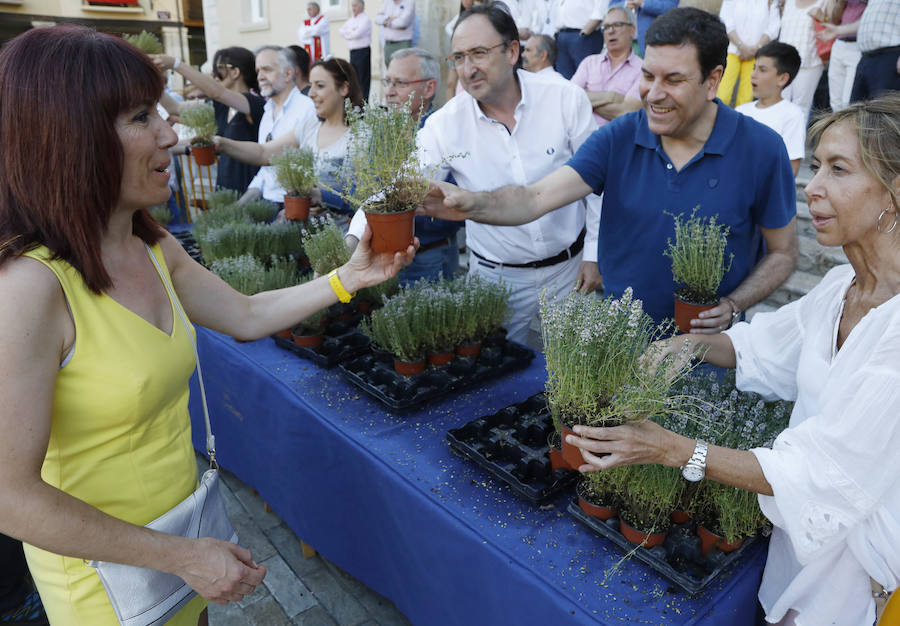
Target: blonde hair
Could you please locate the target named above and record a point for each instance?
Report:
(877, 126)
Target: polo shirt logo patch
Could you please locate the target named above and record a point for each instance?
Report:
(712, 182)
(551, 151)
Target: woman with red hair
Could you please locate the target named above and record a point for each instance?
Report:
(94, 359)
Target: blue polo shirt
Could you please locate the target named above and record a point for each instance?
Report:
(742, 175)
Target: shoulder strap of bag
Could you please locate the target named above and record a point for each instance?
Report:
(210, 438)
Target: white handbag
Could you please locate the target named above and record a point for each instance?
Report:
(146, 597)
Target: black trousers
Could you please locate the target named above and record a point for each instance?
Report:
(12, 573)
(361, 60)
(876, 73)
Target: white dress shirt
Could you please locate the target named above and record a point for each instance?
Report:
(751, 19)
(297, 111)
(576, 13)
(402, 16)
(835, 470)
(552, 121)
(357, 31)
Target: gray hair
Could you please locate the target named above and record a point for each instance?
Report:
(429, 67)
(546, 43)
(628, 13)
(362, 2)
(287, 60)
(315, 4)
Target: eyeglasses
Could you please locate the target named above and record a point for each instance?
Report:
(614, 26)
(390, 83)
(478, 55)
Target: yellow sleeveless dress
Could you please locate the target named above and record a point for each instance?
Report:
(120, 437)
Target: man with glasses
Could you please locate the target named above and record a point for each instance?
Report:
(514, 127)
(412, 77)
(684, 149)
(611, 78)
(285, 109)
(646, 11)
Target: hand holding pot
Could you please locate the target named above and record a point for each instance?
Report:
(366, 268)
(714, 320)
(639, 443)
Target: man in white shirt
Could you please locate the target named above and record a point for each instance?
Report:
(539, 56)
(514, 127)
(578, 34)
(285, 109)
(315, 33)
(357, 31)
(397, 21)
(776, 66)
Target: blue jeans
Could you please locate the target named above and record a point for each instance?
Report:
(433, 263)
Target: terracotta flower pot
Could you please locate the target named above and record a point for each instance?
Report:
(679, 517)
(204, 155)
(391, 232)
(364, 307)
(555, 452)
(439, 359)
(409, 369)
(296, 208)
(571, 454)
(305, 338)
(600, 511)
(686, 311)
(648, 540)
(710, 540)
(472, 349)
(284, 334)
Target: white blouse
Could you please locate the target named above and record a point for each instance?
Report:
(751, 19)
(835, 471)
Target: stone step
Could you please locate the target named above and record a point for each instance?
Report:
(818, 259)
(795, 287)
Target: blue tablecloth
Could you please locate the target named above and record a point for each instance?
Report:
(382, 496)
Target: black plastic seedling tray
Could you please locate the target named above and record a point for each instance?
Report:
(336, 348)
(187, 241)
(679, 560)
(374, 373)
(511, 446)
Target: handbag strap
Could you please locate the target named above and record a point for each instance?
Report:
(210, 438)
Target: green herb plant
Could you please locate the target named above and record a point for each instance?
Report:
(324, 244)
(201, 119)
(698, 257)
(295, 170)
(146, 42)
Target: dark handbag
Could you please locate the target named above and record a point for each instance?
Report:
(146, 597)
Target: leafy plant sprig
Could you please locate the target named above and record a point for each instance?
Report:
(698, 257)
(295, 170)
(146, 42)
(201, 119)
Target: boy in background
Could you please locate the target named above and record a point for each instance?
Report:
(776, 66)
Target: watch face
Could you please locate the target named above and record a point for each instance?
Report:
(693, 473)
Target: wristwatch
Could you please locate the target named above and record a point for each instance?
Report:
(735, 312)
(695, 469)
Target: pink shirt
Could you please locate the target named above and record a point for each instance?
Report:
(595, 73)
(357, 31)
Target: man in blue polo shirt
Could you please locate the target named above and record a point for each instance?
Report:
(684, 149)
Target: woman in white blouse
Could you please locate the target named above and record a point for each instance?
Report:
(750, 25)
(831, 483)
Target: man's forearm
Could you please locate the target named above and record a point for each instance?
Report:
(766, 277)
(243, 151)
(512, 205)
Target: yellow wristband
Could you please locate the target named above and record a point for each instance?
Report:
(335, 281)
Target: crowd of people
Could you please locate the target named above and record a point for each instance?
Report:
(573, 133)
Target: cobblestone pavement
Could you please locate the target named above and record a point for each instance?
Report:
(296, 591)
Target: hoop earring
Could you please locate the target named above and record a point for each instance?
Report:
(878, 224)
